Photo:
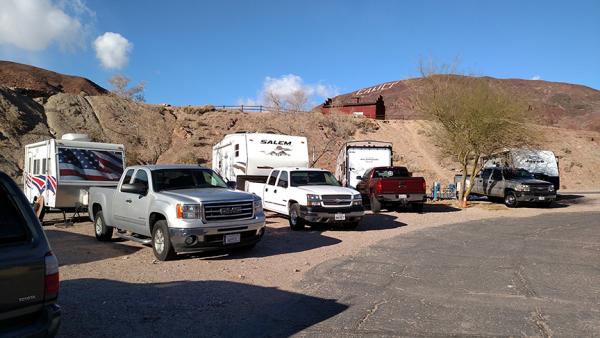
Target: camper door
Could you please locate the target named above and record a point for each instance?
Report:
(39, 178)
(362, 159)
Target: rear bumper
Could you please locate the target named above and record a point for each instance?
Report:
(328, 215)
(524, 196)
(41, 324)
(402, 198)
(213, 238)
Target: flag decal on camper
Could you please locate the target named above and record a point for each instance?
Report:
(90, 165)
(41, 182)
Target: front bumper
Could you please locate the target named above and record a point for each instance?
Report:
(41, 324)
(322, 214)
(527, 196)
(402, 198)
(212, 237)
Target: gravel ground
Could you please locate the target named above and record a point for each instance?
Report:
(273, 271)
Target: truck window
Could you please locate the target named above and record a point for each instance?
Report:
(497, 175)
(485, 174)
(313, 177)
(13, 227)
(175, 179)
(128, 175)
(141, 177)
(395, 172)
(273, 177)
(283, 180)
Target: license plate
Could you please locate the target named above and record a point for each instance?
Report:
(402, 197)
(340, 217)
(232, 238)
(542, 198)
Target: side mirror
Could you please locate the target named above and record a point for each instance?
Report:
(135, 188)
(359, 177)
(231, 185)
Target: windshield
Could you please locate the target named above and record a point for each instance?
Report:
(300, 178)
(174, 179)
(395, 172)
(517, 173)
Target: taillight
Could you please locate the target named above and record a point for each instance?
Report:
(379, 186)
(51, 280)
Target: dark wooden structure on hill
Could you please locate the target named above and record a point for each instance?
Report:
(373, 110)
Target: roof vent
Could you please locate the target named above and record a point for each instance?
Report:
(76, 137)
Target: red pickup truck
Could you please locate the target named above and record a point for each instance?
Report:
(392, 187)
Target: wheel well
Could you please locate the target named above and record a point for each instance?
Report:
(155, 217)
(507, 190)
(95, 208)
(291, 202)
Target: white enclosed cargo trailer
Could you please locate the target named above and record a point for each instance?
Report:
(63, 170)
(245, 156)
(356, 157)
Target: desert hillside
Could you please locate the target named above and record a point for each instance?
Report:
(554, 104)
(164, 134)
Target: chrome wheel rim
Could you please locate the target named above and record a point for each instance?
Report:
(99, 226)
(510, 199)
(159, 241)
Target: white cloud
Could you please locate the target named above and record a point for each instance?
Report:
(112, 49)
(286, 85)
(536, 77)
(34, 25)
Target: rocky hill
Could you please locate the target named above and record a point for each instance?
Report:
(550, 103)
(164, 134)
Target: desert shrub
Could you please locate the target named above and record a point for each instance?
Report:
(366, 125)
(197, 110)
(340, 125)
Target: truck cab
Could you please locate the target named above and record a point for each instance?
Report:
(309, 195)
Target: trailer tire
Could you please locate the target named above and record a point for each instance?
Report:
(102, 231)
(296, 222)
(161, 242)
(375, 204)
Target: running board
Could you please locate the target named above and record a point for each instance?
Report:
(133, 238)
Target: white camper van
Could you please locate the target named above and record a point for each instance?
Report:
(543, 164)
(356, 157)
(245, 156)
(63, 170)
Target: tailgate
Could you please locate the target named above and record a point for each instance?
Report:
(21, 280)
(407, 185)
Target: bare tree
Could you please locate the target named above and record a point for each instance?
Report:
(297, 101)
(273, 101)
(120, 82)
(474, 118)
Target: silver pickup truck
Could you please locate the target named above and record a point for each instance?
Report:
(177, 209)
(513, 186)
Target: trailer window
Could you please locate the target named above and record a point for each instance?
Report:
(13, 227)
(237, 150)
(29, 168)
(44, 171)
(36, 167)
(283, 180)
(273, 177)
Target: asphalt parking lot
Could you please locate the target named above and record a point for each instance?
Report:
(484, 271)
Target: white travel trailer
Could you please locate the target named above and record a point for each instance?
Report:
(356, 157)
(63, 170)
(543, 164)
(245, 156)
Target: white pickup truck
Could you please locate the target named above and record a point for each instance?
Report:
(309, 195)
(177, 209)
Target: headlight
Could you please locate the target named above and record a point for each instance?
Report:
(551, 187)
(189, 211)
(522, 187)
(357, 199)
(258, 207)
(313, 200)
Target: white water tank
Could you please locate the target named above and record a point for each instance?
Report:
(76, 137)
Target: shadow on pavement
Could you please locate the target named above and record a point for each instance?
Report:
(74, 248)
(372, 222)
(107, 308)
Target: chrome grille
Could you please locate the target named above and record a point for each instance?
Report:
(222, 211)
(340, 200)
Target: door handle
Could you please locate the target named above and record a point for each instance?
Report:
(266, 189)
(128, 201)
(275, 191)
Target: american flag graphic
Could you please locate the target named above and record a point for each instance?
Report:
(41, 182)
(89, 165)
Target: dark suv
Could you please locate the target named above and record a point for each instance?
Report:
(28, 270)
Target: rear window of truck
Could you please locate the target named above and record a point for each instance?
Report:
(391, 173)
(13, 227)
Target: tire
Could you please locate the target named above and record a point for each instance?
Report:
(161, 242)
(103, 232)
(510, 199)
(375, 204)
(417, 207)
(296, 222)
(351, 225)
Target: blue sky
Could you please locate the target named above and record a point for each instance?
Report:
(224, 52)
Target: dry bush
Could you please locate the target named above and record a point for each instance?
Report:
(196, 110)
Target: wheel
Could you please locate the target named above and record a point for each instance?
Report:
(351, 225)
(417, 207)
(296, 222)
(375, 204)
(510, 199)
(103, 232)
(161, 243)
